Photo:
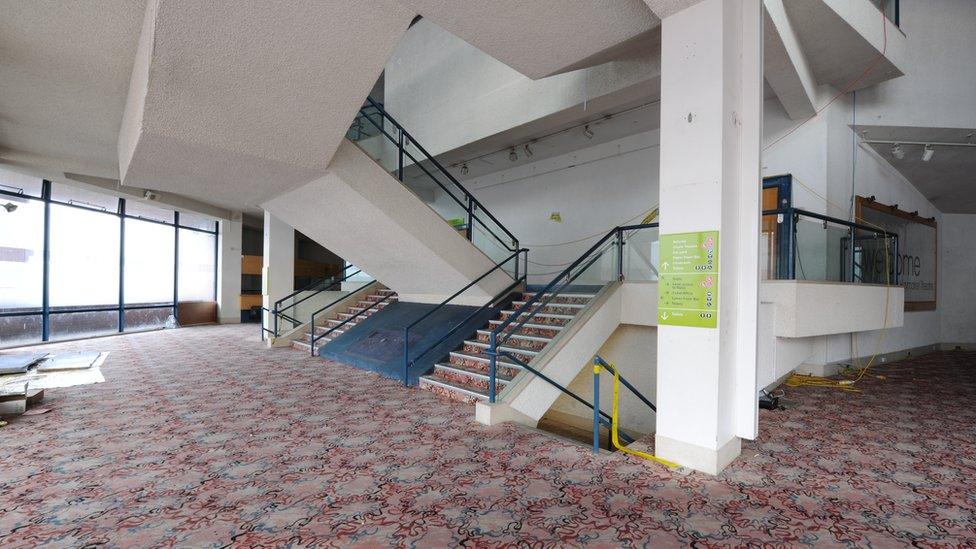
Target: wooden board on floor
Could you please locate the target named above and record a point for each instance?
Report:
(192, 313)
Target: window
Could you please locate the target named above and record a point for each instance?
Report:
(84, 198)
(197, 266)
(196, 221)
(134, 208)
(15, 183)
(84, 266)
(148, 262)
(21, 254)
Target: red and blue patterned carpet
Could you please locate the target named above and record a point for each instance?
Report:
(201, 438)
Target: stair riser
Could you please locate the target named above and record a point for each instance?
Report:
(539, 332)
(548, 321)
(518, 342)
(468, 348)
(559, 299)
(500, 370)
(445, 392)
(297, 346)
(555, 309)
(462, 379)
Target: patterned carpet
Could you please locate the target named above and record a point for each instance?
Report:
(201, 438)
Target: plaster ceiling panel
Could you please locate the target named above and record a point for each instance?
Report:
(948, 179)
(235, 102)
(64, 74)
(540, 38)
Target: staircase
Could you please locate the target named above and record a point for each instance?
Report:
(464, 377)
(305, 344)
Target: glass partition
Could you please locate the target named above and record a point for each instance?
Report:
(197, 266)
(148, 262)
(84, 264)
(21, 255)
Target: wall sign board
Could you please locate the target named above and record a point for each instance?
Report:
(916, 262)
(688, 283)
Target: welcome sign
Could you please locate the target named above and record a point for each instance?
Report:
(915, 262)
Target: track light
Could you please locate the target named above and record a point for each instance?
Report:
(897, 151)
(528, 150)
(927, 153)
(587, 132)
(464, 169)
(512, 155)
(10, 206)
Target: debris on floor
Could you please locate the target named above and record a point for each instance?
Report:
(25, 376)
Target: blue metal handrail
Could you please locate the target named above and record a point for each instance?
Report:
(407, 361)
(537, 302)
(471, 205)
(278, 313)
(792, 215)
(344, 322)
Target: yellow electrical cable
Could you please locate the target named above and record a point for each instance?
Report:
(614, 421)
(800, 380)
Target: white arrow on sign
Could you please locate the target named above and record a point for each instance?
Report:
(664, 316)
(666, 265)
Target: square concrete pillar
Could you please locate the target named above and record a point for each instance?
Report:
(711, 123)
(229, 271)
(278, 269)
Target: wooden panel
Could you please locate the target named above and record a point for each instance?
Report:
(251, 264)
(250, 300)
(313, 269)
(197, 312)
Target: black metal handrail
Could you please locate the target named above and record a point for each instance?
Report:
(597, 359)
(279, 313)
(792, 215)
(537, 302)
(471, 205)
(344, 322)
(408, 361)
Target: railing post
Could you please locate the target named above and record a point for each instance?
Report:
(470, 230)
(400, 155)
(791, 235)
(853, 236)
(894, 262)
(406, 356)
(620, 254)
(596, 407)
(492, 364)
(274, 313)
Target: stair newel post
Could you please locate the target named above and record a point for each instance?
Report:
(406, 356)
(400, 155)
(311, 325)
(492, 360)
(274, 313)
(596, 406)
(470, 231)
(620, 254)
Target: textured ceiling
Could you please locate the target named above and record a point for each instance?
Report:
(948, 180)
(64, 73)
(540, 38)
(239, 101)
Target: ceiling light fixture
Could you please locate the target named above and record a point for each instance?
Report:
(528, 150)
(927, 153)
(587, 132)
(512, 155)
(897, 151)
(464, 169)
(10, 206)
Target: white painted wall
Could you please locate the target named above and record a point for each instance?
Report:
(594, 189)
(229, 272)
(957, 265)
(278, 269)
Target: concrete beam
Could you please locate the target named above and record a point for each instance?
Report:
(785, 65)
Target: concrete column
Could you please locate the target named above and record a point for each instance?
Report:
(711, 123)
(278, 272)
(229, 271)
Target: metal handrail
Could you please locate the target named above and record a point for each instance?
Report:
(310, 286)
(597, 359)
(605, 418)
(472, 201)
(344, 322)
(276, 313)
(793, 214)
(407, 361)
(537, 301)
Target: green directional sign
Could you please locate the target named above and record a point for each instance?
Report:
(688, 285)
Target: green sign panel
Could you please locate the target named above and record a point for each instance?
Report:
(688, 284)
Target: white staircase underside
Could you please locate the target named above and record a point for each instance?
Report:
(540, 38)
(236, 102)
(360, 212)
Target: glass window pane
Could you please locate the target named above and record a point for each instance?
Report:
(83, 197)
(84, 257)
(136, 208)
(19, 330)
(146, 319)
(197, 267)
(19, 183)
(78, 325)
(21, 254)
(197, 221)
(148, 262)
